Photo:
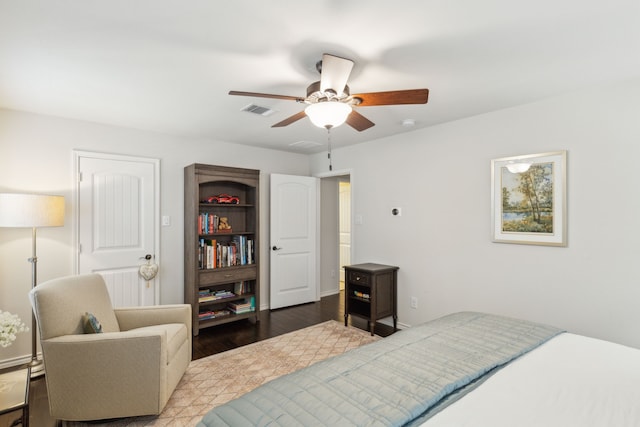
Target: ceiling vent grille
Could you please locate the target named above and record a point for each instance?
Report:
(256, 109)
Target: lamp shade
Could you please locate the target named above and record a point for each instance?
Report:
(328, 114)
(31, 210)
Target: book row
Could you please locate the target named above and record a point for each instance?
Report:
(210, 223)
(215, 254)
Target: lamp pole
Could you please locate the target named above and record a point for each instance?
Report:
(37, 367)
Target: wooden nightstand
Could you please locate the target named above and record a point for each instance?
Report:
(371, 293)
(14, 394)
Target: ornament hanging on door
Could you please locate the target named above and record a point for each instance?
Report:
(148, 271)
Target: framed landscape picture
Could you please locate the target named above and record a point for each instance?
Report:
(529, 199)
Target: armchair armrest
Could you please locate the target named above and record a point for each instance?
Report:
(139, 317)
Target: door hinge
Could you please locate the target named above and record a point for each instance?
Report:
(79, 176)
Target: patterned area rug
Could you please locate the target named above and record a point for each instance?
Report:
(216, 379)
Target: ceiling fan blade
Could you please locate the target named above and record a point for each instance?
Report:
(395, 97)
(266, 95)
(358, 121)
(335, 73)
(291, 119)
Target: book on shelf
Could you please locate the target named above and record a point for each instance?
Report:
(241, 288)
(207, 254)
(241, 307)
(213, 314)
(206, 295)
(361, 295)
(208, 223)
(240, 249)
(212, 223)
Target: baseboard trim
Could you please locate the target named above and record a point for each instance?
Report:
(15, 361)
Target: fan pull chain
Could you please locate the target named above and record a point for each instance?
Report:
(329, 147)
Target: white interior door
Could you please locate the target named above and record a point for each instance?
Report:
(117, 208)
(294, 228)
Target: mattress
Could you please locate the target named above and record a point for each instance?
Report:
(570, 381)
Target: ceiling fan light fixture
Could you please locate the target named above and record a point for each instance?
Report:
(328, 114)
(330, 101)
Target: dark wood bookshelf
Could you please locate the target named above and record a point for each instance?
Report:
(204, 242)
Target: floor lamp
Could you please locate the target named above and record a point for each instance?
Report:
(32, 211)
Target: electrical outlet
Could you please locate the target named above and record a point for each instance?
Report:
(414, 302)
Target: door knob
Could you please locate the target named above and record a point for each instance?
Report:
(275, 248)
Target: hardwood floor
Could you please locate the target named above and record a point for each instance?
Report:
(225, 337)
(273, 323)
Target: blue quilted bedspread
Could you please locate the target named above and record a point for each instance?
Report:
(390, 382)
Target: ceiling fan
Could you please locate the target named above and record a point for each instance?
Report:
(329, 100)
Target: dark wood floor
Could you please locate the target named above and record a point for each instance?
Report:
(225, 337)
(273, 323)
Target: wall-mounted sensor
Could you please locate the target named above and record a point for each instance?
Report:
(396, 211)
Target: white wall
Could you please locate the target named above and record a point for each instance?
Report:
(440, 176)
(36, 156)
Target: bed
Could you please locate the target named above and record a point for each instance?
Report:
(465, 369)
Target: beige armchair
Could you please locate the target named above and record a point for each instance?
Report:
(129, 369)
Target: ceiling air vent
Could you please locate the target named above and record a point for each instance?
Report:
(256, 109)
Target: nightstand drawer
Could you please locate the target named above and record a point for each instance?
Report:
(358, 277)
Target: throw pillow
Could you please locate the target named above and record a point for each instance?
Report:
(91, 324)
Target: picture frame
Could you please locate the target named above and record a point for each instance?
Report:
(529, 199)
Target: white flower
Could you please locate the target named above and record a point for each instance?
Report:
(10, 325)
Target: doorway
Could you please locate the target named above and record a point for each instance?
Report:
(344, 224)
(335, 230)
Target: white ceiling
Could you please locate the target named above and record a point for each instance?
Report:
(167, 65)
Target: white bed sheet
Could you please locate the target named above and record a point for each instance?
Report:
(570, 381)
